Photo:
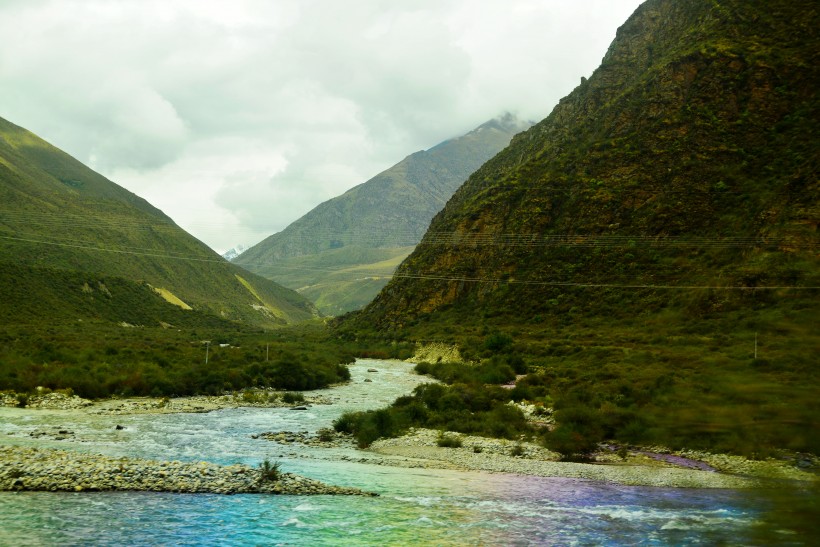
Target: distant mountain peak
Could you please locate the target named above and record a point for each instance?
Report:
(507, 122)
(234, 252)
(344, 250)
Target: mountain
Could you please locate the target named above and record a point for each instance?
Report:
(649, 250)
(74, 245)
(343, 251)
(234, 252)
(688, 159)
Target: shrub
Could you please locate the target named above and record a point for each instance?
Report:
(269, 472)
(251, 396)
(448, 441)
(291, 397)
(572, 443)
(498, 342)
(326, 435)
(365, 434)
(347, 422)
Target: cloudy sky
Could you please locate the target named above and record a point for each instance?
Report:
(236, 117)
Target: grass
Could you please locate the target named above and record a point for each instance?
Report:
(269, 472)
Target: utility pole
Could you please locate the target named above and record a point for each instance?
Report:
(207, 348)
(267, 352)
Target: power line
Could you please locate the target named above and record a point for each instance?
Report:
(396, 237)
(455, 238)
(592, 240)
(513, 240)
(460, 278)
(600, 285)
(84, 243)
(118, 251)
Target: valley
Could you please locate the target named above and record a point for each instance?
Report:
(600, 326)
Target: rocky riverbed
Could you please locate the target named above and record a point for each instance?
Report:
(638, 468)
(37, 469)
(70, 416)
(658, 467)
(256, 398)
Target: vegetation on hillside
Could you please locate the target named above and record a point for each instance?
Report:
(104, 295)
(337, 280)
(103, 335)
(694, 166)
(58, 215)
(651, 246)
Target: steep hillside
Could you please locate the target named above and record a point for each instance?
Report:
(57, 216)
(648, 252)
(328, 254)
(688, 159)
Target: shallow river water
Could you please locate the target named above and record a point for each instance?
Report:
(415, 507)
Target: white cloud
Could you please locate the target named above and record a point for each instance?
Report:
(238, 117)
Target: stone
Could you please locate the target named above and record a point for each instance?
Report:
(56, 470)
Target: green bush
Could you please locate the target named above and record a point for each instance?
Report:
(326, 435)
(291, 398)
(498, 342)
(347, 422)
(448, 441)
(269, 472)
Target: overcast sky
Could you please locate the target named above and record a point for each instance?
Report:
(236, 117)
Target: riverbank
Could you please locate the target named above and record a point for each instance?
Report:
(256, 398)
(637, 468)
(645, 466)
(40, 469)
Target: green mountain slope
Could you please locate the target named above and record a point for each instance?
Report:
(689, 158)
(57, 216)
(388, 213)
(652, 245)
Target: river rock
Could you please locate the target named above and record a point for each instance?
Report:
(60, 470)
(43, 398)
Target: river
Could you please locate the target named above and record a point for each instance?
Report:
(416, 506)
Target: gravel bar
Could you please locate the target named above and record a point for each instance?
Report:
(522, 458)
(38, 469)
